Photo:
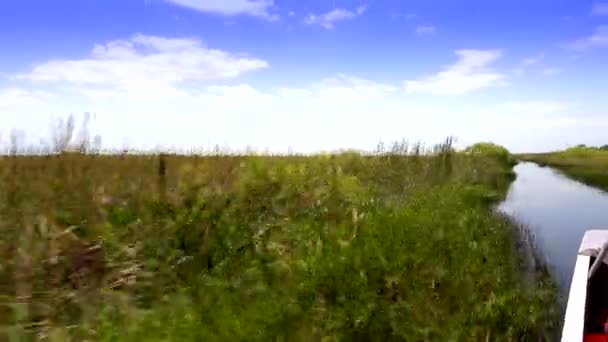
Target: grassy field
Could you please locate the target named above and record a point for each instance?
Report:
(397, 246)
(588, 165)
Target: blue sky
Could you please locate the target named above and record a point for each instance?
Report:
(310, 75)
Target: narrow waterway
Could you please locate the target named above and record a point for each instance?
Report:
(558, 211)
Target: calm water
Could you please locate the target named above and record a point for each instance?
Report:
(558, 211)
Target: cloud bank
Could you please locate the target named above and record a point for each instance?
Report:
(328, 20)
(471, 72)
(256, 8)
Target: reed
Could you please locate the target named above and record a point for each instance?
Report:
(392, 245)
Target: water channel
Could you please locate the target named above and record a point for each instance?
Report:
(557, 210)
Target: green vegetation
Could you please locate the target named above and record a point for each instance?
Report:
(586, 164)
(394, 246)
(492, 150)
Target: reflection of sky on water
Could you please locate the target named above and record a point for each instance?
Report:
(558, 211)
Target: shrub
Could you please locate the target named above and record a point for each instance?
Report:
(491, 150)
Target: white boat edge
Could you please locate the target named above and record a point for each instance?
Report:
(574, 320)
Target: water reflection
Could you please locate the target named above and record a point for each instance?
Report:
(558, 211)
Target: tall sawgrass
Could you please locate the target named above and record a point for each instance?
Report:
(400, 244)
(585, 164)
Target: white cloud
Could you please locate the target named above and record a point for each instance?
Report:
(518, 71)
(20, 105)
(600, 8)
(351, 89)
(15, 96)
(151, 108)
(308, 118)
(145, 62)
(597, 39)
(533, 59)
(470, 73)
(425, 29)
(235, 115)
(327, 20)
(243, 92)
(551, 71)
(398, 15)
(256, 8)
(293, 93)
(291, 13)
(538, 108)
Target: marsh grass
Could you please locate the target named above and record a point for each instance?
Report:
(587, 165)
(398, 245)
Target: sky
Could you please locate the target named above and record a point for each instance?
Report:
(307, 76)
